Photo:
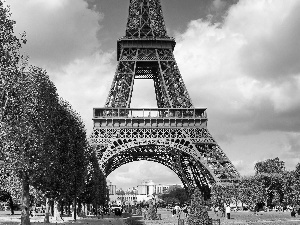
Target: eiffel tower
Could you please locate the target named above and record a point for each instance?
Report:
(175, 134)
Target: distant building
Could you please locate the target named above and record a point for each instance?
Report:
(111, 188)
(161, 188)
(146, 188)
(145, 191)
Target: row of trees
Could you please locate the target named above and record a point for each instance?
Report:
(43, 140)
(271, 186)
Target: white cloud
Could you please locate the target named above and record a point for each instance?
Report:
(247, 74)
(248, 70)
(85, 84)
(58, 32)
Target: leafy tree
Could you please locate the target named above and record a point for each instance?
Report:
(25, 130)
(252, 191)
(224, 194)
(291, 187)
(269, 166)
(177, 194)
(40, 137)
(95, 189)
(198, 214)
(270, 174)
(11, 186)
(12, 62)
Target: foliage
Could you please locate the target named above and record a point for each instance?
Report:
(224, 194)
(120, 192)
(95, 189)
(269, 166)
(177, 194)
(270, 174)
(271, 185)
(43, 141)
(151, 212)
(12, 63)
(291, 187)
(198, 214)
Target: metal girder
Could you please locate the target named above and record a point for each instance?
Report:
(156, 64)
(145, 19)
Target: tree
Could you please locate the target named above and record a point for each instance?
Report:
(25, 129)
(11, 186)
(252, 191)
(43, 141)
(95, 189)
(198, 214)
(291, 187)
(270, 174)
(62, 167)
(269, 166)
(12, 62)
(224, 194)
(177, 194)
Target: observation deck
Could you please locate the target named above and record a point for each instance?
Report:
(149, 117)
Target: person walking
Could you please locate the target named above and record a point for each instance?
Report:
(177, 210)
(293, 213)
(185, 211)
(216, 210)
(222, 209)
(228, 211)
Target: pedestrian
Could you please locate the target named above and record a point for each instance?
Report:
(173, 212)
(298, 209)
(177, 210)
(185, 210)
(293, 213)
(222, 208)
(228, 211)
(216, 210)
(145, 212)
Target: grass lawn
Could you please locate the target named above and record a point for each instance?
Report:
(246, 217)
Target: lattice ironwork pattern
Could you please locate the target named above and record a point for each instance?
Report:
(156, 64)
(191, 153)
(177, 136)
(145, 19)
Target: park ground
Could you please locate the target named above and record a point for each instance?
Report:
(242, 218)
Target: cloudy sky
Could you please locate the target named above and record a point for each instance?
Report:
(240, 59)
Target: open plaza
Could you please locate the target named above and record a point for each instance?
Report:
(240, 217)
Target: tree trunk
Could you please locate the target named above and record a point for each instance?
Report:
(25, 220)
(46, 219)
(61, 208)
(52, 207)
(69, 209)
(74, 209)
(85, 209)
(11, 205)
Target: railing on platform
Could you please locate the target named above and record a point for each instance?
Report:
(149, 117)
(150, 112)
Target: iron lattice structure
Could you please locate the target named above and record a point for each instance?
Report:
(175, 134)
